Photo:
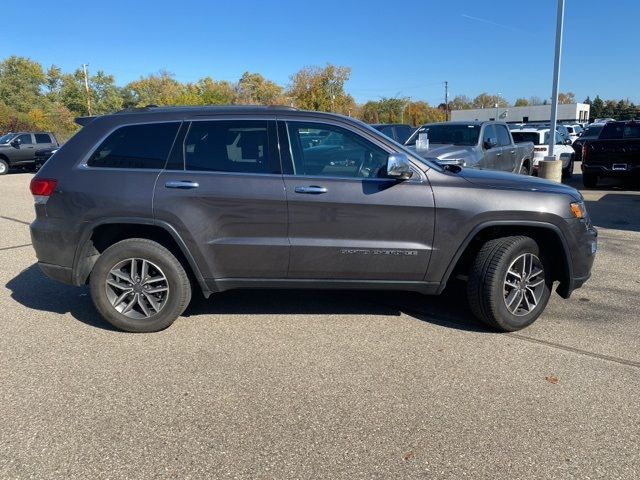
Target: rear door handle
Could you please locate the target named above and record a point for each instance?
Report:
(513, 151)
(183, 184)
(312, 189)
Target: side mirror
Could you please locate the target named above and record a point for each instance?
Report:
(491, 142)
(568, 142)
(15, 143)
(399, 167)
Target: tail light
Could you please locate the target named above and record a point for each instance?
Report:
(42, 189)
(585, 150)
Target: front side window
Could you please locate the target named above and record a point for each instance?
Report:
(240, 146)
(489, 134)
(503, 136)
(43, 138)
(341, 153)
(25, 139)
(136, 146)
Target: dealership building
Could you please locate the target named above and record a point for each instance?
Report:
(572, 112)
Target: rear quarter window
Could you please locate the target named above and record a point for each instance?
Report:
(43, 138)
(136, 146)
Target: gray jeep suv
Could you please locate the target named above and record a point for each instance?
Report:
(148, 204)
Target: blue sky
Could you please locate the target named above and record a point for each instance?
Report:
(395, 47)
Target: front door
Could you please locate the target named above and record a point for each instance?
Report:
(507, 158)
(25, 152)
(347, 221)
(223, 191)
(491, 151)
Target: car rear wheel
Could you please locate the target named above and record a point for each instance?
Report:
(509, 283)
(138, 285)
(589, 180)
(4, 167)
(524, 169)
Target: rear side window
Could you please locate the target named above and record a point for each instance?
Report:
(387, 130)
(632, 130)
(519, 137)
(240, 146)
(43, 138)
(136, 146)
(612, 131)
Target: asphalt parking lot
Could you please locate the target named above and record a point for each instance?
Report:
(322, 384)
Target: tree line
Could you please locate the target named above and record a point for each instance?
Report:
(35, 98)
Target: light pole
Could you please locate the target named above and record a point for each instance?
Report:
(497, 103)
(550, 167)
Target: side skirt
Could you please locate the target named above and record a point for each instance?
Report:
(223, 284)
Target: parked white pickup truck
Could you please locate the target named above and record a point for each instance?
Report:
(483, 145)
(540, 138)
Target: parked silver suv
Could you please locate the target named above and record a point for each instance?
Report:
(146, 205)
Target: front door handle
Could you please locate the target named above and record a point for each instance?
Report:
(312, 189)
(183, 184)
(512, 151)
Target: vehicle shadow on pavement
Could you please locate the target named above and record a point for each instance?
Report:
(445, 310)
(617, 211)
(32, 289)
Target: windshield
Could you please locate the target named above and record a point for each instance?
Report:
(448, 134)
(5, 138)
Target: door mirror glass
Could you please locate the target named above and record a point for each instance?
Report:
(399, 167)
(491, 142)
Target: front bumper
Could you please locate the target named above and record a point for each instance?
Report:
(583, 245)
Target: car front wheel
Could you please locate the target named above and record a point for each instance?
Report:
(4, 167)
(138, 285)
(509, 283)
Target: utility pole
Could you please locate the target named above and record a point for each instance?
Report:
(446, 100)
(86, 86)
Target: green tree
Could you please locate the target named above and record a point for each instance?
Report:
(484, 100)
(21, 81)
(216, 92)
(460, 102)
(597, 108)
(521, 102)
(253, 89)
(322, 89)
(105, 95)
(533, 100)
(160, 89)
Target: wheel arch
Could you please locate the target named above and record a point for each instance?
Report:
(98, 236)
(548, 236)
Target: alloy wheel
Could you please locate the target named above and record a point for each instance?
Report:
(524, 284)
(137, 288)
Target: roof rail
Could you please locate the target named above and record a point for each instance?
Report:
(147, 108)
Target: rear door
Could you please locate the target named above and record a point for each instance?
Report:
(347, 221)
(43, 140)
(224, 194)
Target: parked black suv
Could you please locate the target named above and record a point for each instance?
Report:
(145, 205)
(18, 149)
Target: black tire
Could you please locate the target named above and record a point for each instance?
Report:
(524, 169)
(4, 167)
(179, 287)
(568, 172)
(589, 180)
(486, 287)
